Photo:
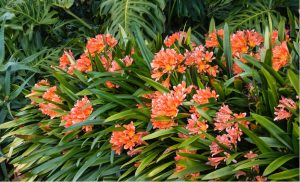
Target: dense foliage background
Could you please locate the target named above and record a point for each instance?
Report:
(33, 36)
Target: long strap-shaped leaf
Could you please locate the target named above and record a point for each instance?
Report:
(274, 130)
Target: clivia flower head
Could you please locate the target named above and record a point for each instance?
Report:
(282, 110)
(165, 62)
(79, 113)
(167, 105)
(126, 139)
(203, 95)
(280, 56)
(47, 107)
(98, 44)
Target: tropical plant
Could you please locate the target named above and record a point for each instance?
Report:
(118, 112)
(149, 110)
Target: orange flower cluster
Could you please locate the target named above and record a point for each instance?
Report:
(83, 64)
(167, 105)
(79, 113)
(196, 127)
(177, 36)
(202, 60)
(36, 94)
(203, 95)
(280, 56)
(67, 63)
(243, 42)
(99, 43)
(212, 40)
(231, 137)
(179, 167)
(282, 111)
(165, 62)
(48, 108)
(126, 139)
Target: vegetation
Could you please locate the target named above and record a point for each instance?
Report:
(149, 90)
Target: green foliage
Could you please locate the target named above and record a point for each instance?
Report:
(36, 147)
(127, 13)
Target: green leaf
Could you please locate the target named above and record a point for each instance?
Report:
(84, 123)
(146, 161)
(288, 174)
(252, 60)
(252, 163)
(204, 114)
(20, 89)
(262, 146)
(294, 79)
(129, 114)
(232, 157)
(158, 133)
(295, 137)
(225, 171)
(146, 53)
(188, 141)
(212, 25)
(2, 43)
(154, 84)
(272, 83)
(227, 50)
(277, 163)
(190, 169)
(274, 130)
(271, 142)
(159, 169)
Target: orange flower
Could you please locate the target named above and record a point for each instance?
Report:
(177, 36)
(110, 40)
(203, 95)
(165, 61)
(254, 38)
(261, 178)
(167, 105)
(97, 44)
(215, 149)
(212, 40)
(238, 43)
(280, 56)
(222, 118)
(79, 113)
(64, 60)
(83, 64)
(250, 155)
(36, 94)
(48, 108)
(201, 59)
(195, 126)
(223, 122)
(126, 139)
(215, 161)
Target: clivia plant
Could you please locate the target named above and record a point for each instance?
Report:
(226, 109)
